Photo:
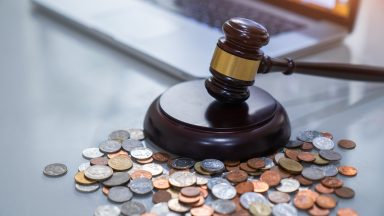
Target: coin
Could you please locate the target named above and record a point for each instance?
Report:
(292, 154)
(288, 185)
(119, 194)
(284, 209)
(154, 169)
(237, 176)
(141, 185)
(55, 170)
(80, 179)
(248, 198)
(130, 144)
(161, 209)
(277, 157)
(223, 206)
(224, 191)
(98, 172)
(84, 166)
(322, 189)
(132, 208)
(268, 163)
(107, 210)
(161, 196)
(323, 143)
(136, 134)
(110, 146)
(330, 155)
(307, 146)
(278, 197)
(327, 134)
(204, 210)
(306, 156)
(326, 201)
(303, 181)
(121, 152)
(303, 201)
(176, 206)
(347, 170)
(313, 173)
(244, 187)
(256, 163)
(200, 170)
(212, 165)
(332, 182)
(117, 179)
(329, 170)
(141, 174)
(260, 208)
(346, 212)
(310, 193)
(99, 161)
(182, 163)
(308, 136)
(201, 180)
(120, 163)
(345, 192)
(161, 157)
(231, 163)
(190, 191)
(119, 135)
(290, 165)
(293, 144)
(161, 183)
(230, 168)
(182, 179)
(216, 180)
(272, 178)
(246, 168)
(90, 153)
(282, 173)
(87, 188)
(145, 161)
(260, 186)
(188, 200)
(316, 211)
(319, 160)
(346, 144)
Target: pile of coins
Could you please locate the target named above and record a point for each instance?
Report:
(301, 177)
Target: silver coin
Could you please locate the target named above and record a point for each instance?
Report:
(224, 191)
(329, 170)
(119, 135)
(91, 153)
(154, 169)
(84, 166)
(136, 134)
(268, 163)
(98, 172)
(323, 143)
(119, 194)
(248, 198)
(294, 144)
(160, 209)
(212, 165)
(216, 180)
(117, 179)
(182, 163)
(308, 136)
(330, 155)
(141, 153)
(313, 173)
(107, 210)
(55, 170)
(130, 144)
(284, 209)
(182, 179)
(201, 179)
(132, 208)
(141, 185)
(110, 146)
(288, 185)
(223, 206)
(87, 188)
(278, 156)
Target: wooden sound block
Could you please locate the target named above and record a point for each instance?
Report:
(187, 121)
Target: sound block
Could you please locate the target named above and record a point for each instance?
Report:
(187, 121)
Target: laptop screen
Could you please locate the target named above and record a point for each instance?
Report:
(337, 7)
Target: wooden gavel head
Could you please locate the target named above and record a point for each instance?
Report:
(236, 60)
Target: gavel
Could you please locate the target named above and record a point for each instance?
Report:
(238, 58)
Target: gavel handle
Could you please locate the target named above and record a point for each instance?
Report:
(334, 70)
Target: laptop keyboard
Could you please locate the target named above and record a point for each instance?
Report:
(215, 12)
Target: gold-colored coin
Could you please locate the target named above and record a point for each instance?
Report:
(290, 165)
(319, 160)
(120, 163)
(200, 170)
(145, 161)
(81, 179)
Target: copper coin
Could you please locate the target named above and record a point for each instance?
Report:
(272, 178)
(121, 152)
(346, 212)
(161, 157)
(230, 168)
(99, 161)
(279, 197)
(161, 183)
(198, 203)
(303, 181)
(332, 182)
(260, 186)
(246, 168)
(237, 176)
(307, 146)
(316, 211)
(309, 193)
(306, 157)
(345, 192)
(292, 154)
(161, 196)
(202, 211)
(141, 174)
(256, 163)
(105, 191)
(283, 174)
(190, 191)
(347, 170)
(188, 200)
(231, 163)
(244, 187)
(324, 190)
(347, 144)
(290, 165)
(327, 134)
(303, 201)
(326, 201)
(204, 192)
(144, 161)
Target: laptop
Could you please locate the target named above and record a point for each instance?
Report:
(179, 36)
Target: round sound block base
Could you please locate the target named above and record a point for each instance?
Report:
(186, 121)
